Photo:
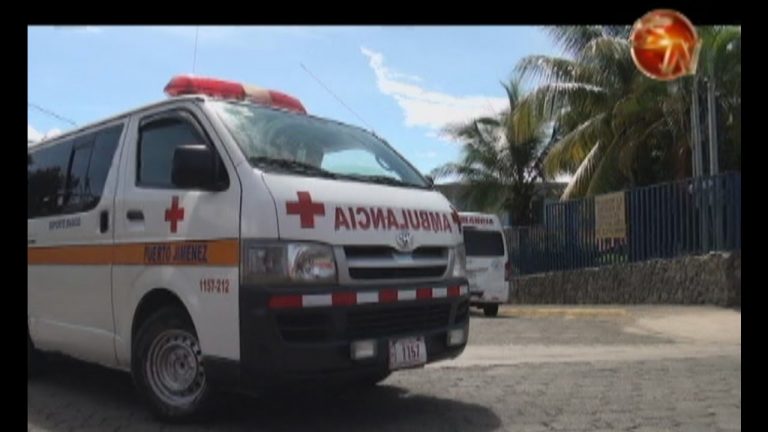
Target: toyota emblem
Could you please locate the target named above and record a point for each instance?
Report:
(404, 240)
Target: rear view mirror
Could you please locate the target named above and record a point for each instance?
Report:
(194, 168)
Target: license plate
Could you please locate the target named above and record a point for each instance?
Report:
(405, 353)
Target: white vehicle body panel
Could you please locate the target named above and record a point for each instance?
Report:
(86, 308)
(486, 271)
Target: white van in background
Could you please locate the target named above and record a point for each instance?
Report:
(488, 265)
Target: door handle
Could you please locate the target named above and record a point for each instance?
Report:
(104, 221)
(135, 215)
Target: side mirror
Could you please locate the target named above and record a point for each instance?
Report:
(430, 180)
(194, 168)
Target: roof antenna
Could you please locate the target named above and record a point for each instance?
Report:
(337, 98)
(51, 113)
(194, 55)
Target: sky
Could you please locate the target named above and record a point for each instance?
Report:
(406, 83)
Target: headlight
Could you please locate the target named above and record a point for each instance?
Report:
(459, 262)
(287, 262)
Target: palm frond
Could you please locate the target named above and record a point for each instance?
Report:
(488, 196)
(475, 130)
(583, 176)
(573, 39)
(617, 31)
(569, 152)
(547, 69)
(605, 177)
(547, 100)
(470, 174)
(630, 148)
(610, 62)
(719, 45)
(604, 48)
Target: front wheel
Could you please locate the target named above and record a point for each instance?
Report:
(491, 310)
(167, 366)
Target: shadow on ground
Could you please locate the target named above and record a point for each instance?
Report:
(72, 395)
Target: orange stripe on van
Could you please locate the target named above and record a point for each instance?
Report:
(74, 255)
(223, 252)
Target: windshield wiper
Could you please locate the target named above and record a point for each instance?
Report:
(305, 168)
(382, 179)
(291, 165)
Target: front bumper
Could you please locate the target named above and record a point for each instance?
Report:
(285, 342)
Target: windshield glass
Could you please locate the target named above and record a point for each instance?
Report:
(276, 140)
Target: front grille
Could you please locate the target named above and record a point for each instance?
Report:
(396, 272)
(368, 251)
(385, 263)
(387, 252)
(391, 321)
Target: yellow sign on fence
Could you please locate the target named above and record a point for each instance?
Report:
(610, 216)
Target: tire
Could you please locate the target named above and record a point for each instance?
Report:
(491, 310)
(167, 367)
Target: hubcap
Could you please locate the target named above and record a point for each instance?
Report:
(174, 368)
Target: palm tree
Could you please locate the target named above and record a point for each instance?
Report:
(501, 160)
(615, 127)
(720, 63)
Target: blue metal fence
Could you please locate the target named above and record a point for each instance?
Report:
(688, 217)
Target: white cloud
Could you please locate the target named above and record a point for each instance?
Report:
(33, 135)
(426, 108)
(441, 136)
(52, 133)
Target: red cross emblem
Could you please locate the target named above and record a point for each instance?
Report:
(175, 214)
(306, 209)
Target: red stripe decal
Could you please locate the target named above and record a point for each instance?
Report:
(285, 302)
(388, 296)
(424, 293)
(344, 299)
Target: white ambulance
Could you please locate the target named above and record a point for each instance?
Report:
(488, 265)
(224, 239)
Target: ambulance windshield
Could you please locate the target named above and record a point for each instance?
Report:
(275, 140)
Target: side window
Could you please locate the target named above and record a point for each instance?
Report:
(101, 161)
(157, 143)
(69, 176)
(76, 198)
(46, 179)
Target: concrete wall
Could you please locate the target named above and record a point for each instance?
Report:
(709, 279)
